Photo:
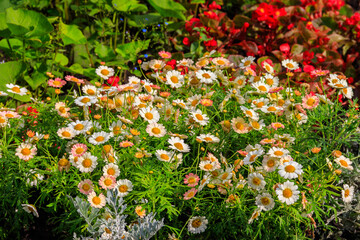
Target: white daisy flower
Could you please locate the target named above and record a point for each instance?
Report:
(257, 125)
(271, 109)
(257, 147)
(85, 101)
(174, 79)
(16, 89)
(344, 162)
(221, 62)
(111, 169)
(150, 115)
(246, 62)
(99, 138)
(156, 64)
(29, 208)
(288, 192)
(339, 84)
(164, 156)
(104, 72)
(197, 224)
(180, 103)
(256, 181)
(265, 202)
(278, 152)
(80, 126)
(261, 87)
(208, 138)
(124, 186)
(239, 81)
(347, 193)
(3, 94)
(66, 133)
(193, 101)
(186, 62)
(348, 92)
(200, 117)
(286, 138)
(90, 90)
(26, 151)
(178, 144)
(290, 64)
(116, 128)
(250, 113)
(271, 80)
(209, 166)
(156, 130)
(290, 170)
(86, 163)
(96, 201)
(268, 68)
(270, 164)
(252, 156)
(206, 76)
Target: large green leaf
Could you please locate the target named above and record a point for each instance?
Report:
(36, 79)
(4, 30)
(146, 19)
(104, 52)
(130, 50)
(27, 23)
(129, 6)
(10, 72)
(71, 34)
(168, 8)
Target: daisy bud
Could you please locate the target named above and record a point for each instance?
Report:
(57, 91)
(336, 153)
(211, 185)
(338, 171)
(97, 116)
(48, 98)
(202, 149)
(151, 172)
(315, 150)
(46, 136)
(297, 93)
(97, 84)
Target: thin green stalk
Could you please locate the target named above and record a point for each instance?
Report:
(88, 53)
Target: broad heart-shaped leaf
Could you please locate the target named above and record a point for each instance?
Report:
(105, 53)
(129, 6)
(71, 34)
(130, 50)
(168, 8)
(26, 23)
(10, 72)
(36, 79)
(4, 30)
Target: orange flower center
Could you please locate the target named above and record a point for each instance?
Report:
(347, 192)
(278, 153)
(99, 139)
(123, 188)
(265, 201)
(206, 75)
(63, 162)
(271, 109)
(105, 72)
(270, 163)
(287, 192)
(179, 146)
(25, 151)
(290, 65)
(165, 157)
(111, 171)
(256, 181)
(344, 163)
(269, 81)
(66, 134)
(149, 115)
(199, 117)
(108, 182)
(310, 101)
(156, 130)
(290, 168)
(96, 200)
(86, 187)
(262, 88)
(85, 100)
(16, 89)
(208, 166)
(79, 127)
(174, 79)
(87, 163)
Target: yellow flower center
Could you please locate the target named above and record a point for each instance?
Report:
(290, 65)
(90, 92)
(157, 65)
(262, 88)
(63, 162)
(199, 117)
(85, 100)
(149, 115)
(209, 139)
(278, 153)
(270, 163)
(247, 62)
(108, 182)
(269, 81)
(66, 134)
(105, 72)
(240, 126)
(347, 192)
(179, 146)
(56, 83)
(248, 112)
(79, 127)
(287, 192)
(190, 195)
(123, 188)
(25, 151)
(255, 125)
(87, 163)
(191, 180)
(265, 201)
(310, 101)
(344, 163)
(174, 79)
(156, 130)
(111, 171)
(206, 75)
(96, 200)
(86, 187)
(220, 62)
(16, 89)
(290, 168)
(256, 181)
(260, 104)
(99, 139)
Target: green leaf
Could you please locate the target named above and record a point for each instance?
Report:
(4, 30)
(197, 1)
(329, 22)
(105, 53)
(146, 19)
(10, 72)
(129, 6)
(61, 59)
(346, 10)
(130, 50)
(71, 34)
(297, 49)
(36, 79)
(26, 23)
(168, 8)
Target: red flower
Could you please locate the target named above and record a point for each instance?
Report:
(214, 6)
(211, 15)
(285, 47)
(113, 81)
(186, 41)
(211, 43)
(308, 68)
(194, 22)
